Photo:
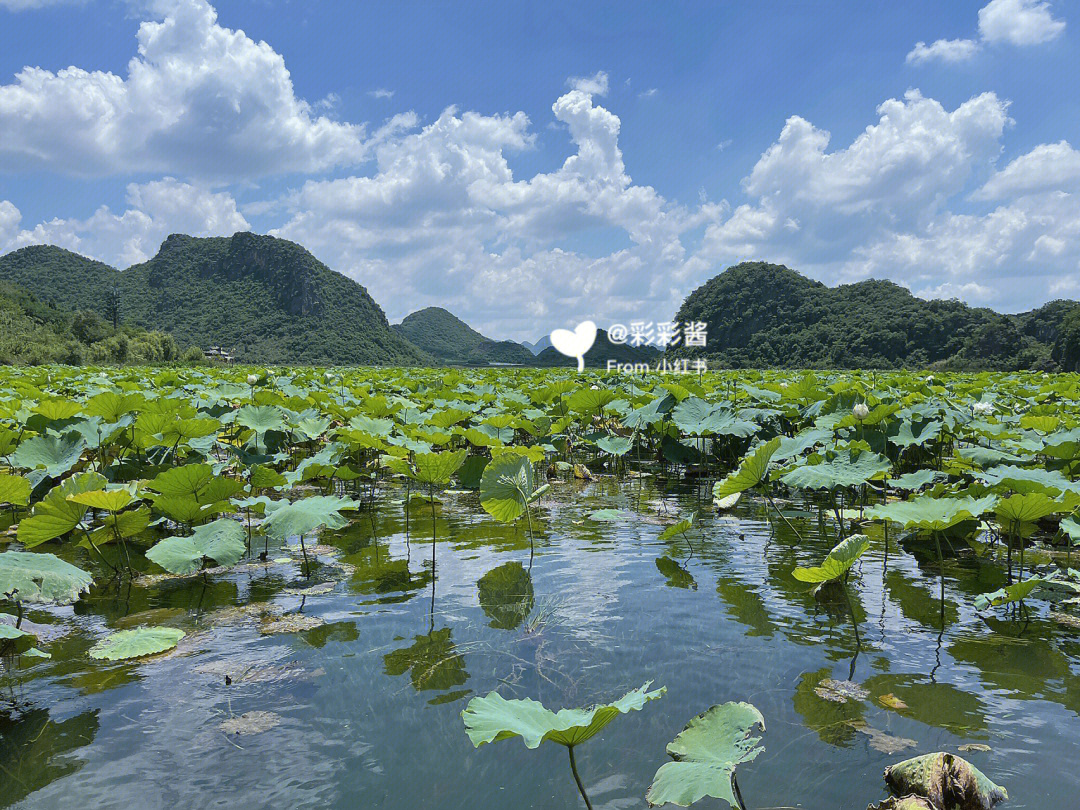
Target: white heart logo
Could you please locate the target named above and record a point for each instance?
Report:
(576, 343)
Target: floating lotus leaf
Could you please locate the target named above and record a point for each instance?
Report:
(706, 754)
(136, 643)
(949, 782)
(838, 561)
(493, 718)
(14, 641)
(40, 577)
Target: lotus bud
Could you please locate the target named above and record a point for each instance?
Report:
(860, 411)
(252, 379)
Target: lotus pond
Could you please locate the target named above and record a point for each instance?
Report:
(314, 588)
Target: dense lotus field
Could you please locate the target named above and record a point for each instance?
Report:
(154, 519)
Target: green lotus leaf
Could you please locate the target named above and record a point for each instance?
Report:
(1009, 594)
(616, 445)
(590, 401)
(848, 468)
(40, 577)
(14, 641)
(261, 418)
(914, 434)
(837, 562)
(928, 513)
(1071, 527)
(57, 410)
(55, 515)
(913, 481)
(684, 525)
(266, 478)
(436, 469)
(221, 541)
(493, 718)
(751, 471)
(1024, 480)
(507, 487)
(136, 643)
(14, 489)
(706, 754)
(179, 481)
(1026, 508)
(56, 454)
(184, 430)
(108, 500)
(304, 516)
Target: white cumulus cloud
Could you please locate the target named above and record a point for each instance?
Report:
(1019, 22)
(943, 50)
(157, 209)
(1014, 22)
(198, 99)
(1047, 167)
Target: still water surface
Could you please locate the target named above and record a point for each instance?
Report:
(368, 703)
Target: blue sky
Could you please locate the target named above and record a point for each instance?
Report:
(529, 165)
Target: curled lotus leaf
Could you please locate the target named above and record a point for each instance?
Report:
(492, 718)
(751, 471)
(903, 803)
(949, 782)
(705, 755)
(838, 561)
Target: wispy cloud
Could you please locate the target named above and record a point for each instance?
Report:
(381, 93)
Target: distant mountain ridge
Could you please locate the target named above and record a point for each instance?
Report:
(270, 301)
(267, 298)
(767, 315)
(451, 341)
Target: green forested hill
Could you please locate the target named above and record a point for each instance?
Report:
(450, 340)
(266, 298)
(269, 300)
(58, 276)
(33, 331)
(762, 315)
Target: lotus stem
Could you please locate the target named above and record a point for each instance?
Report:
(577, 778)
(738, 793)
